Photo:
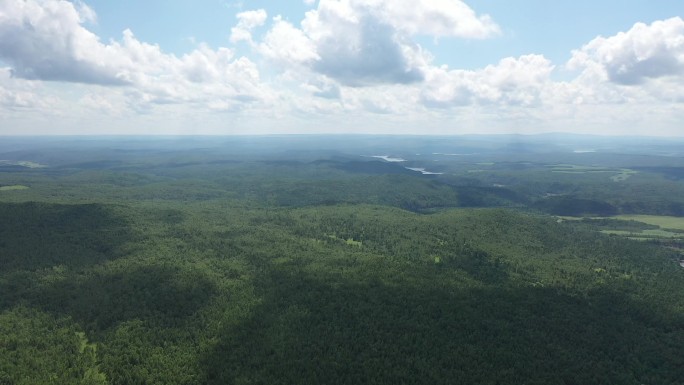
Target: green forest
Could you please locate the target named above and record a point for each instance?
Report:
(306, 260)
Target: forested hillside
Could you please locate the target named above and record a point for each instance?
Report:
(229, 271)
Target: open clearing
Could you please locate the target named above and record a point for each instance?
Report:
(666, 223)
(15, 187)
(658, 220)
(621, 174)
(644, 234)
(624, 174)
(574, 168)
(22, 163)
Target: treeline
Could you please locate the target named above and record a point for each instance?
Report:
(303, 182)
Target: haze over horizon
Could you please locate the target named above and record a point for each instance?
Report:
(341, 66)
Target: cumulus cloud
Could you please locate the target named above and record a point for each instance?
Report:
(47, 40)
(105, 103)
(362, 50)
(287, 45)
(205, 64)
(633, 57)
(437, 18)
(247, 21)
(15, 95)
(348, 63)
(369, 42)
(513, 81)
(323, 88)
(391, 99)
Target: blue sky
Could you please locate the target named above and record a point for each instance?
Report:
(553, 28)
(350, 66)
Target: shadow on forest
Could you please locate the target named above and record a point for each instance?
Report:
(308, 331)
(72, 238)
(99, 301)
(478, 264)
(39, 235)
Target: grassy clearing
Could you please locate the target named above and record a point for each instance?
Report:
(621, 174)
(14, 187)
(348, 241)
(644, 234)
(574, 168)
(22, 163)
(352, 242)
(667, 222)
(567, 218)
(669, 227)
(658, 220)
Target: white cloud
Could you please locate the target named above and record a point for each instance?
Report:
(513, 81)
(436, 18)
(206, 65)
(369, 42)
(19, 95)
(350, 65)
(322, 88)
(358, 49)
(515, 93)
(45, 40)
(107, 103)
(397, 100)
(287, 45)
(247, 21)
(633, 57)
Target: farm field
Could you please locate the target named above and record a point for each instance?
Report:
(665, 222)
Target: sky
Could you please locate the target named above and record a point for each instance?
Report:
(221, 67)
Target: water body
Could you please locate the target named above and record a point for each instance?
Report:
(583, 151)
(21, 163)
(388, 158)
(423, 171)
(441, 153)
